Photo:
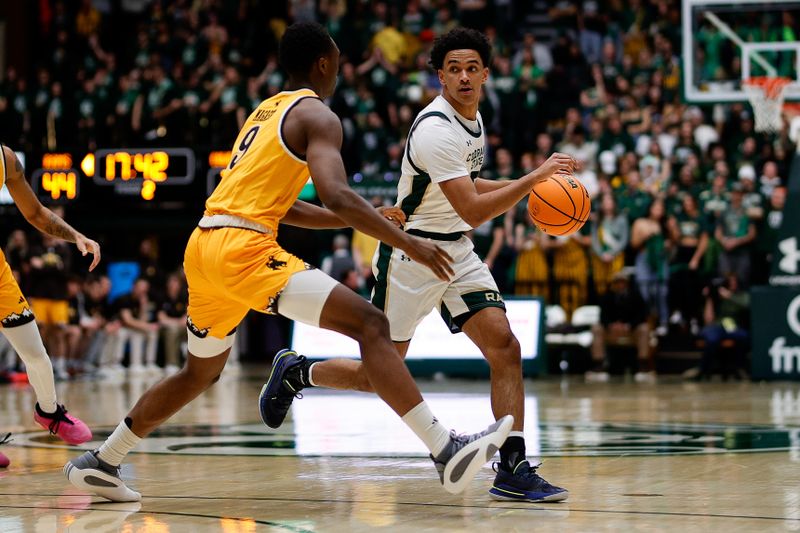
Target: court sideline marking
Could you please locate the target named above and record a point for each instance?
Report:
(554, 507)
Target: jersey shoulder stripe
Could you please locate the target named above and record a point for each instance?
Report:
(297, 157)
(411, 132)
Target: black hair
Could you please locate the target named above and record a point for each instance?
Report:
(301, 45)
(460, 39)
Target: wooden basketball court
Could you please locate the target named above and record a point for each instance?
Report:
(716, 457)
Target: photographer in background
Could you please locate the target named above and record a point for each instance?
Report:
(726, 314)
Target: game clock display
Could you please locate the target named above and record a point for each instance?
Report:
(140, 171)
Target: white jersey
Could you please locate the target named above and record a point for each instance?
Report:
(442, 145)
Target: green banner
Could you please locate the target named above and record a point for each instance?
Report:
(776, 308)
(776, 333)
(786, 258)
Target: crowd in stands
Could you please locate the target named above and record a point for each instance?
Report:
(682, 195)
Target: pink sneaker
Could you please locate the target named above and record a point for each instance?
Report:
(68, 428)
(4, 462)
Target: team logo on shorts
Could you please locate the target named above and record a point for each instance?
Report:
(200, 333)
(17, 319)
(274, 264)
(272, 305)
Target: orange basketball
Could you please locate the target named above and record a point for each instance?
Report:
(559, 205)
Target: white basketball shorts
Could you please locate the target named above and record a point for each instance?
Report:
(407, 291)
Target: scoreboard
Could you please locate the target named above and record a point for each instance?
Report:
(117, 176)
(145, 174)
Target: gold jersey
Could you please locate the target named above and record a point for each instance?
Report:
(264, 177)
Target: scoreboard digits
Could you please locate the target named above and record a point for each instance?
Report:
(139, 171)
(56, 181)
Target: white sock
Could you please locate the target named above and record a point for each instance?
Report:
(117, 446)
(519, 434)
(27, 342)
(422, 422)
(311, 375)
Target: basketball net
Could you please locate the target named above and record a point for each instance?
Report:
(766, 95)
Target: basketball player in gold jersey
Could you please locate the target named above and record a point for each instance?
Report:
(233, 264)
(17, 320)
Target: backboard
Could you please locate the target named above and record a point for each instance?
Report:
(727, 41)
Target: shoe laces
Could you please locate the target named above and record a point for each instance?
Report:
(464, 438)
(294, 374)
(57, 418)
(521, 471)
(286, 395)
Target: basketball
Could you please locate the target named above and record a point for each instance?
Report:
(559, 205)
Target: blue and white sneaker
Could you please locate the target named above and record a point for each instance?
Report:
(281, 388)
(524, 484)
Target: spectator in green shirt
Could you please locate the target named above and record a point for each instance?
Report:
(735, 232)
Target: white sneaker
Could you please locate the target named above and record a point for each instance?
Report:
(111, 372)
(90, 473)
(464, 455)
(152, 369)
(171, 369)
(691, 373)
(136, 370)
(597, 377)
(645, 377)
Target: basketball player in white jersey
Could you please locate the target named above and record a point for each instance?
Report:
(442, 197)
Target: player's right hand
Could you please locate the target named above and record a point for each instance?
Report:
(429, 254)
(559, 163)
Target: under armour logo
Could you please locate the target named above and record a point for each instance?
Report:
(404, 257)
(469, 143)
(791, 255)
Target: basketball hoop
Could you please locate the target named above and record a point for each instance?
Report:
(766, 96)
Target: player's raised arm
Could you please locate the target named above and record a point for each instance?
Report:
(38, 215)
(323, 132)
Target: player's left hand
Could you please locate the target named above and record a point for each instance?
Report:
(88, 246)
(393, 214)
